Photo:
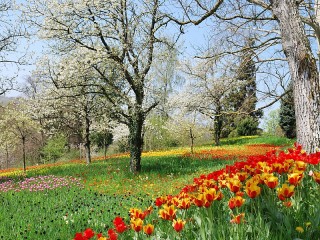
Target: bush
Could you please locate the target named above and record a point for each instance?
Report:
(247, 127)
(54, 148)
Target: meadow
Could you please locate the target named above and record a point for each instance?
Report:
(248, 188)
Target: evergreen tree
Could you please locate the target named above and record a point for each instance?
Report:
(287, 114)
(243, 98)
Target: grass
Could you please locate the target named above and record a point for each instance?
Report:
(273, 140)
(109, 190)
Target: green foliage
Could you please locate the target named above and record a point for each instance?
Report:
(55, 148)
(287, 114)
(271, 125)
(157, 136)
(101, 139)
(247, 127)
(242, 98)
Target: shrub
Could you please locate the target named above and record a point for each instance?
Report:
(247, 127)
(54, 148)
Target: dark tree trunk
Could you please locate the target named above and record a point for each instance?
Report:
(136, 139)
(304, 73)
(192, 137)
(87, 144)
(7, 155)
(105, 147)
(217, 125)
(24, 153)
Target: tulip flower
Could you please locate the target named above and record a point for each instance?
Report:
(287, 204)
(237, 219)
(253, 190)
(88, 233)
(271, 181)
(119, 225)
(285, 191)
(168, 212)
(295, 178)
(184, 203)
(136, 224)
(242, 176)
(234, 185)
(300, 165)
(316, 177)
(112, 234)
(236, 201)
(200, 200)
(178, 224)
(148, 229)
(210, 194)
(137, 213)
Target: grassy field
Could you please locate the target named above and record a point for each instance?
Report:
(56, 201)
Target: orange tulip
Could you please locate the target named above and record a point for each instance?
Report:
(219, 196)
(253, 190)
(287, 204)
(242, 176)
(237, 219)
(184, 203)
(316, 176)
(200, 200)
(210, 194)
(178, 224)
(236, 201)
(300, 165)
(285, 191)
(168, 212)
(148, 229)
(234, 185)
(137, 213)
(271, 181)
(136, 224)
(295, 178)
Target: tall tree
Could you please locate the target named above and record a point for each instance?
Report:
(279, 21)
(20, 125)
(287, 120)
(119, 38)
(243, 98)
(207, 92)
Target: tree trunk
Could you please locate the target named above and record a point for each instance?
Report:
(105, 147)
(192, 137)
(217, 124)
(24, 153)
(87, 144)
(136, 139)
(7, 155)
(304, 73)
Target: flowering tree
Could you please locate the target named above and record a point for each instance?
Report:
(120, 38)
(19, 125)
(209, 85)
(72, 106)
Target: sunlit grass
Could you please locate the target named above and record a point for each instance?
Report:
(109, 189)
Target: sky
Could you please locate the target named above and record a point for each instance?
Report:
(193, 37)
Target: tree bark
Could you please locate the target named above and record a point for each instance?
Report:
(24, 153)
(304, 73)
(136, 139)
(192, 137)
(87, 144)
(7, 155)
(218, 124)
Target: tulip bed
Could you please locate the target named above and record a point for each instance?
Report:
(271, 196)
